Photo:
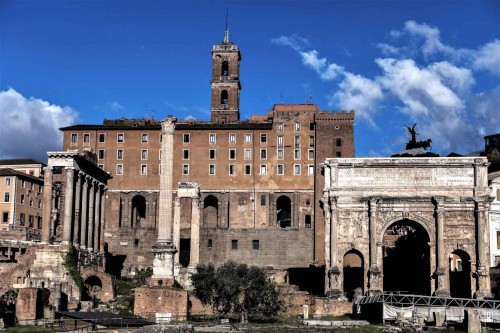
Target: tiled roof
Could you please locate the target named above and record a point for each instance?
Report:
(20, 161)
(12, 172)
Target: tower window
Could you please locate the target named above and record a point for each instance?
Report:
(225, 68)
(224, 97)
(338, 142)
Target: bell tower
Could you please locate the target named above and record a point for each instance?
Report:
(225, 82)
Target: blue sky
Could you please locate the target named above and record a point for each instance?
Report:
(436, 63)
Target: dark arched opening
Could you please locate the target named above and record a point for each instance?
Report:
(225, 68)
(210, 211)
(407, 259)
(353, 274)
(138, 211)
(460, 274)
(224, 97)
(93, 286)
(284, 212)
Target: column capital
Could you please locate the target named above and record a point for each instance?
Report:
(168, 125)
(47, 169)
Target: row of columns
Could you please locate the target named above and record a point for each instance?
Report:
(194, 254)
(331, 240)
(84, 201)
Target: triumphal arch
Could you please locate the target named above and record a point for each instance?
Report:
(410, 225)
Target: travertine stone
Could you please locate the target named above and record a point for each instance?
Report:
(68, 204)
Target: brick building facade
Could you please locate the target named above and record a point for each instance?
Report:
(256, 183)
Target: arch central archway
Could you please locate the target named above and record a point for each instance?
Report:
(460, 274)
(406, 262)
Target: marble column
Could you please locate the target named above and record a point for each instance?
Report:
(47, 203)
(103, 219)
(440, 272)
(482, 272)
(163, 249)
(85, 210)
(335, 288)
(374, 272)
(90, 226)
(97, 217)
(177, 228)
(78, 204)
(68, 204)
(194, 256)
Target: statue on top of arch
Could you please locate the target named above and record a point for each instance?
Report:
(416, 148)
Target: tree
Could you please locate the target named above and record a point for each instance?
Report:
(237, 289)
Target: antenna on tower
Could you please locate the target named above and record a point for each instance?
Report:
(226, 36)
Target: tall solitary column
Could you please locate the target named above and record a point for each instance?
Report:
(78, 204)
(47, 203)
(97, 217)
(84, 214)
(442, 289)
(68, 204)
(163, 249)
(90, 226)
(374, 271)
(194, 256)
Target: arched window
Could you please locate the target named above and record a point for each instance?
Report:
(284, 212)
(210, 211)
(224, 97)
(138, 211)
(225, 68)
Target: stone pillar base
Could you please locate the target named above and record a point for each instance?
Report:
(163, 262)
(334, 293)
(442, 293)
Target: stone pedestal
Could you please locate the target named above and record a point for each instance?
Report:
(163, 263)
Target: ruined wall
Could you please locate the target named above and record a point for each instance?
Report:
(152, 300)
(26, 304)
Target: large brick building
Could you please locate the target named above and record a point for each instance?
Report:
(254, 186)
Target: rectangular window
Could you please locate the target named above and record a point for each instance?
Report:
(280, 141)
(338, 142)
(232, 154)
(311, 141)
(32, 186)
(232, 169)
(212, 138)
(186, 138)
(22, 198)
(31, 221)
(296, 126)
(248, 154)
(5, 217)
(159, 169)
(263, 169)
(296, 141)
(211, 169)
(159, 154)
(255, 244)
(102, 137)
(262, 199)
(339, 154)
(248, 138)
(120, 137)
(144, 154)
(6, 197)
(39, 203)
(307, 221)
(311, 126)
(263, 154)
(296, 154)
(280, 169)
(7, 181)
(211, 154)
(234, 244)
(296, 169)
(145, 138)
(280, 127)
(39, 222)
(23, 184)
(310, 154)
(310, 169)
(119, 169)
(161, 137)
(185, 169)
(22, 218)
(263, 138)
(248, 169)
(31, 202)
(86, 138)
(232, 138)
(119, 154)
(210, 243)
(144, 169)
(100, 154)
(185, 154)
(74, 137)
(280, 154)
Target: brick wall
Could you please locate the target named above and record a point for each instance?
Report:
(152, 300)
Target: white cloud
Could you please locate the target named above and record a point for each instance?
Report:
(294, 41)
(30, 126)
(326, 71)
(189, 117)
(488, 57)
(115, 106)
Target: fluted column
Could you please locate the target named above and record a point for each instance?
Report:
(440, 273)
(78, 204)
(483, 276)
(374, 287)
(85, 210)
(68, 204)
(177, 227)
(194, 256)
(90, 226)
(103, 219)
(97, 217)
(47, 203)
